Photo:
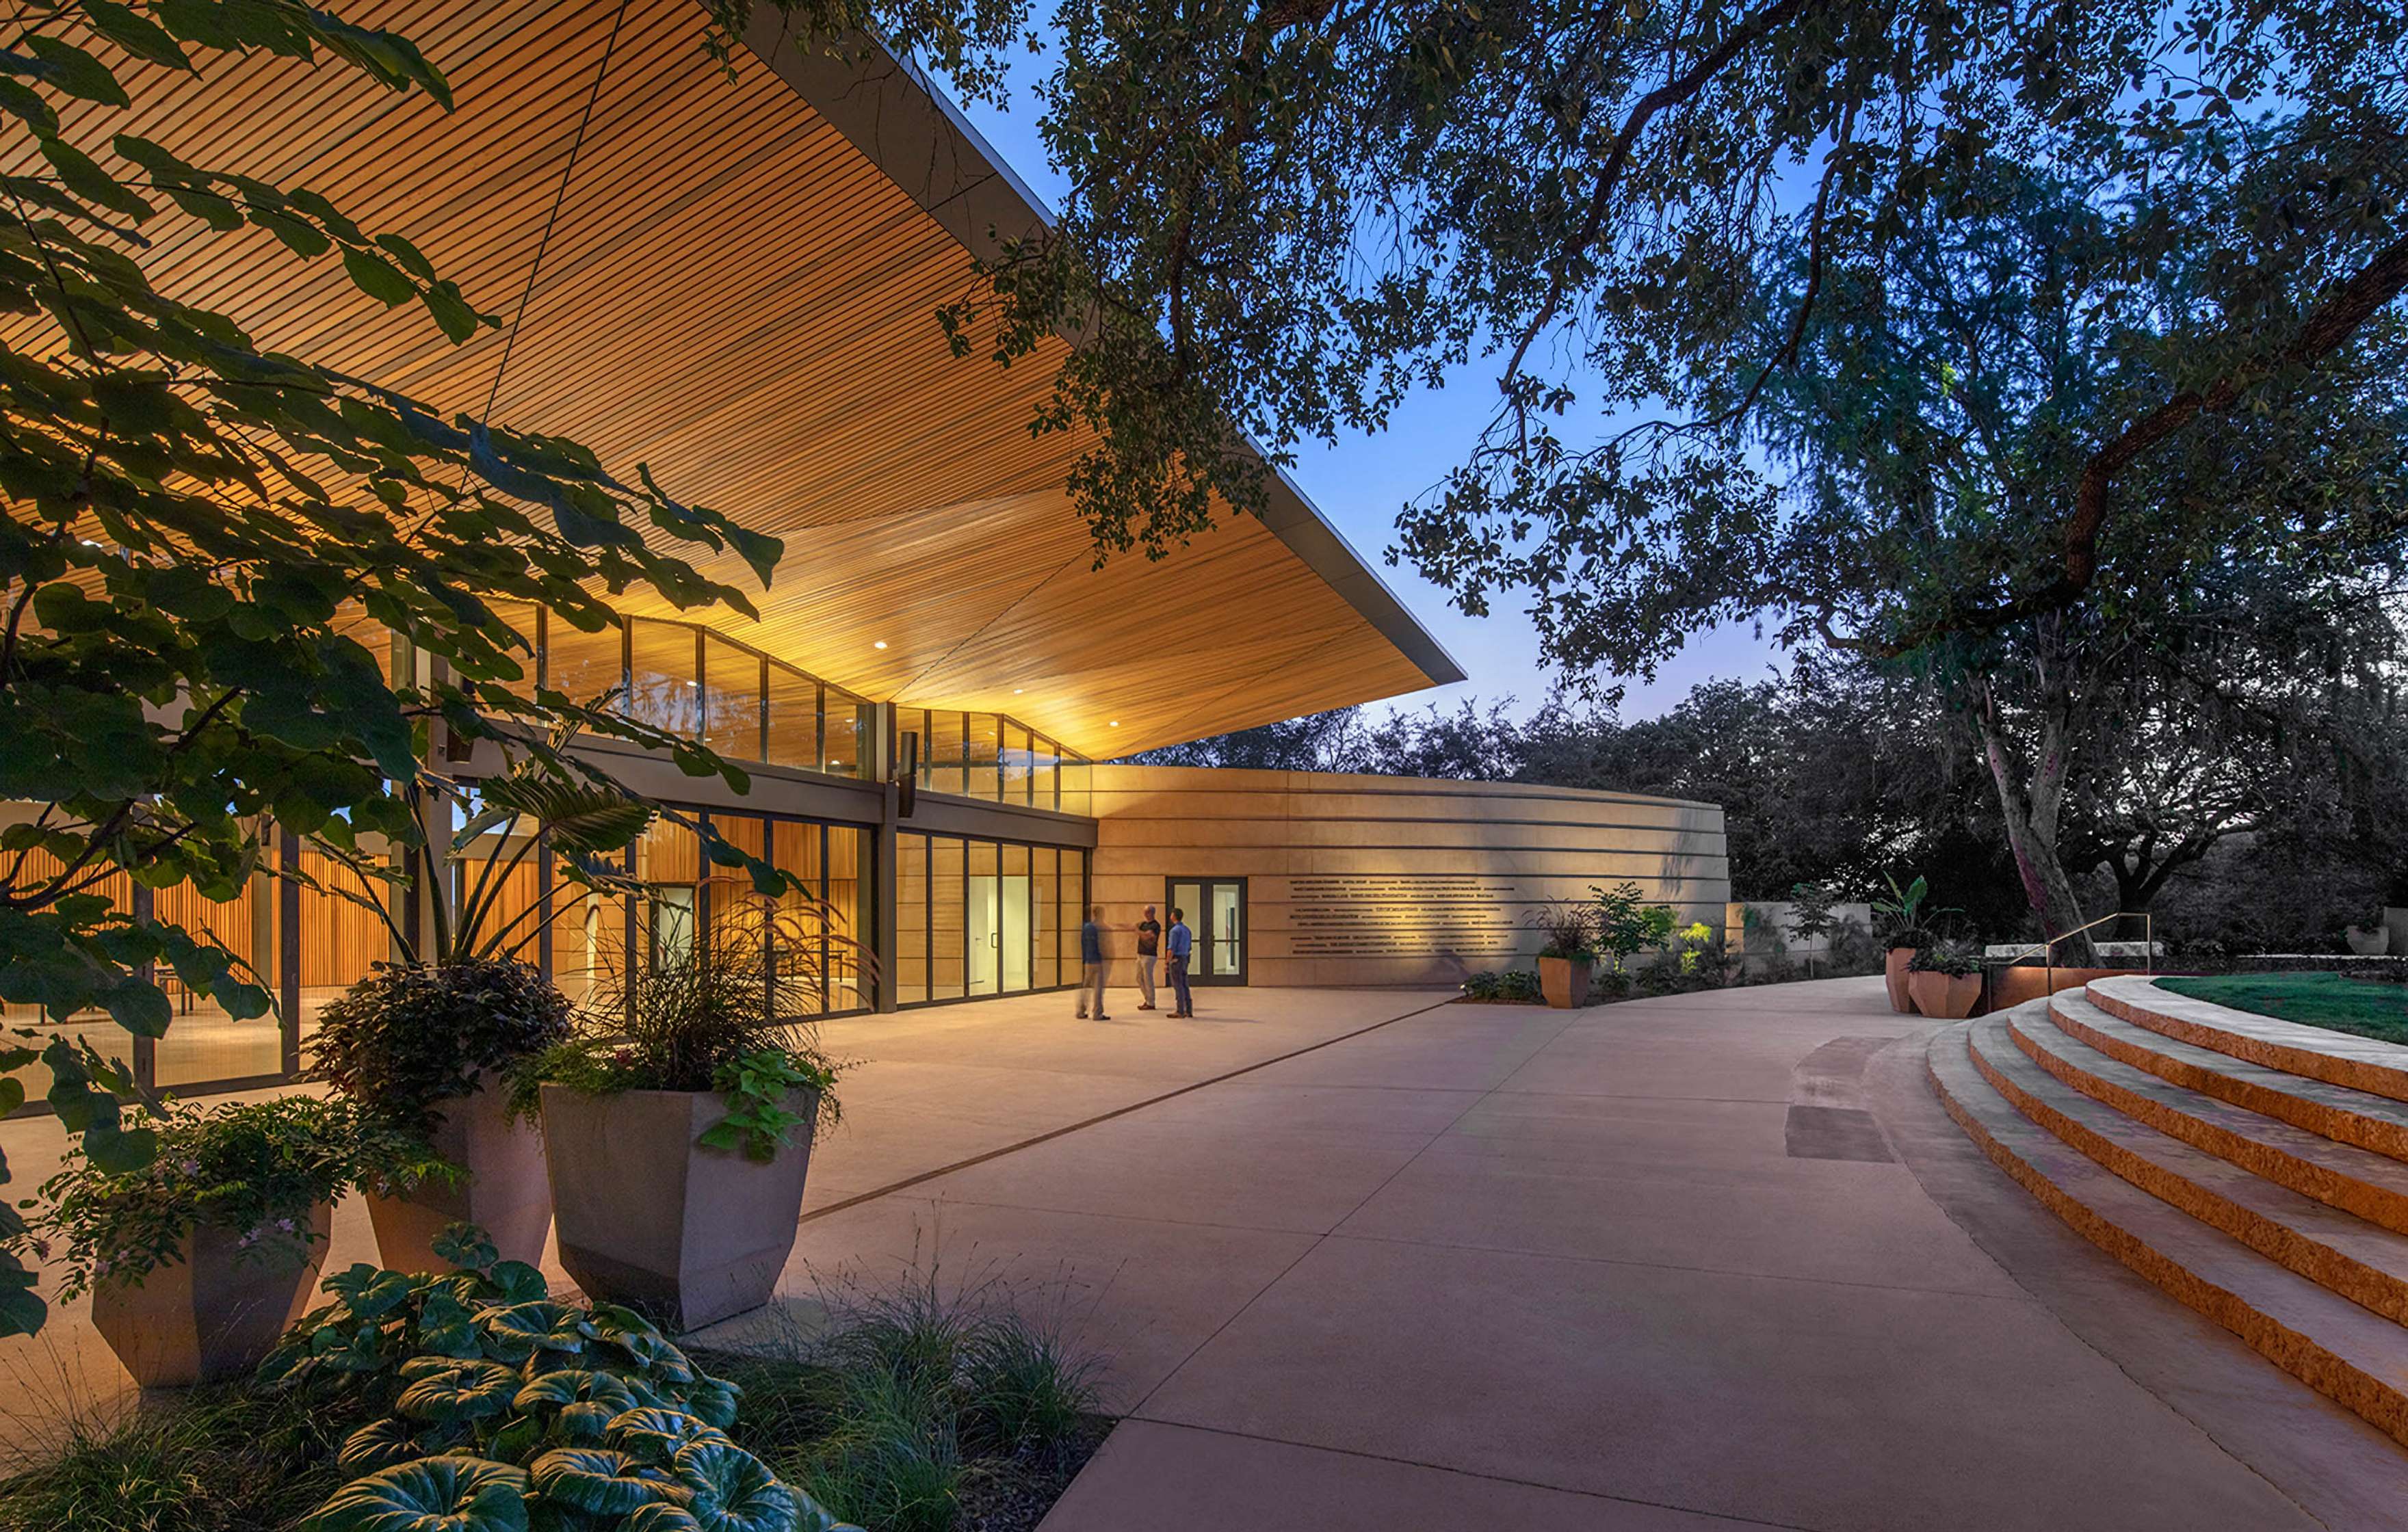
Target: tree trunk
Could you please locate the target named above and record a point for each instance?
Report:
(2029, 802)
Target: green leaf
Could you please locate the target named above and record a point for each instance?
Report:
(376, 277)
(123, 1152)
(77, 72)
(83, 176)
(433, 1495)
(598, 1480)
(445, 1390)
(136, 32)
(452, 312)
(22, 1311)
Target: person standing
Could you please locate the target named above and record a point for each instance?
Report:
(1091, 961)
(1183, 942)
(1149, 950)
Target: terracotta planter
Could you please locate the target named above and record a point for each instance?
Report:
(215, 1313)
(1948, 997)
(648, 1217)
(504, 1193)
(1564, 980)
(1893, 976)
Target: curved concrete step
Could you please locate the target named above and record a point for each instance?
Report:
(2329, 1110)
(2088, 1054)
(2338, 1058)
(2352, 1357)
(2365, 1264)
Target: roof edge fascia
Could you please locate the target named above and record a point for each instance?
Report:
(902, 122)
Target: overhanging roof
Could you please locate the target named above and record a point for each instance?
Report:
(739, 289)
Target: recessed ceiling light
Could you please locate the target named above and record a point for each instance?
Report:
(1116, 723)
(880, 643)
(1017, 690)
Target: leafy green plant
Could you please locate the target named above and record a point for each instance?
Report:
(253, 1169)
(500, 1407)
(710, 1022)
(1626, 924)
(214, 550)
(1958, 960)
(410, 1036)
(1569, 930)
(1518, 984)
(1697, 942)
(1483, 985)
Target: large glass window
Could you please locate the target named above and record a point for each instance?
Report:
(731, 700)
(845, 727)
(662, 687)
(1044, 916)
(793, 719)
(1044, 759)
(908, 969)
(942, 752)
(948, 929)
(582, 665)
(985, 778)
(847, 875)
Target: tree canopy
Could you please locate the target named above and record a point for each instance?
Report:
(211, 548)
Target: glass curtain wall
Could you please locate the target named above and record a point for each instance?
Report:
(975, 918)
(993, 757)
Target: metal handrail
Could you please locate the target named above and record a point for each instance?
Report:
(2048, 948)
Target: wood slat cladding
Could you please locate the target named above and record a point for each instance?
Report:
(736, 295)
(1355, 880)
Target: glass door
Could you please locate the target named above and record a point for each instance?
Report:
(1216, 914)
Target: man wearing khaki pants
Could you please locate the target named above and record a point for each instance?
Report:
(1149, 947)
(1091, 961)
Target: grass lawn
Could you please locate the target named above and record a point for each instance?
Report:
(2366, 1008)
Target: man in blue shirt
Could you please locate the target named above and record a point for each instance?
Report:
(1091, 961)
(1182, 941)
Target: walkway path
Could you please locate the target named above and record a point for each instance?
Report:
(1363, 1262)
(1649, 1266)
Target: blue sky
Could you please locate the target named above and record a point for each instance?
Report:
(1359, 482)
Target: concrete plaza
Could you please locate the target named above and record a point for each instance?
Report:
(1373, 1260)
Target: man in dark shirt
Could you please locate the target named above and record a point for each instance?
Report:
(1183, 942)
(1149, 950)
(1091, 962)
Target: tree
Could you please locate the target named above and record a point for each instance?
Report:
(1955, 328)
(200, 533)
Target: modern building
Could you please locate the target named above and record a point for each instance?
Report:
(732, 277)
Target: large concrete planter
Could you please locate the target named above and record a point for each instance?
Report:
(1564, 980)
(215, 1313)
(1894, 978)
(506, 1192)
(1947, 998)
(2368, 941)
(648, 1217)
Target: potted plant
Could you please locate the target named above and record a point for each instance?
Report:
(677, 1133)
(1567, 956)
(1901, 920)
(423, 1042)
(1945, 981)
(198, 1258)
(424, 1047)
(2371, 941)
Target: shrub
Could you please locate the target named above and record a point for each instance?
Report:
(1519, 984)
(497, 1405)
(1625, 926)
(710, 1023)
(1570, 931)
(1955, 959)
(412, 1035)
(257, 1169)
(1487, 984)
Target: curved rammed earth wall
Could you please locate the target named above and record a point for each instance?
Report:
(1355, 880)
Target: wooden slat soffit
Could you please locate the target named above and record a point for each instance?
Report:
(737, 294)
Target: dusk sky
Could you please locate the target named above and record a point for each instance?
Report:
(1360, 482)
